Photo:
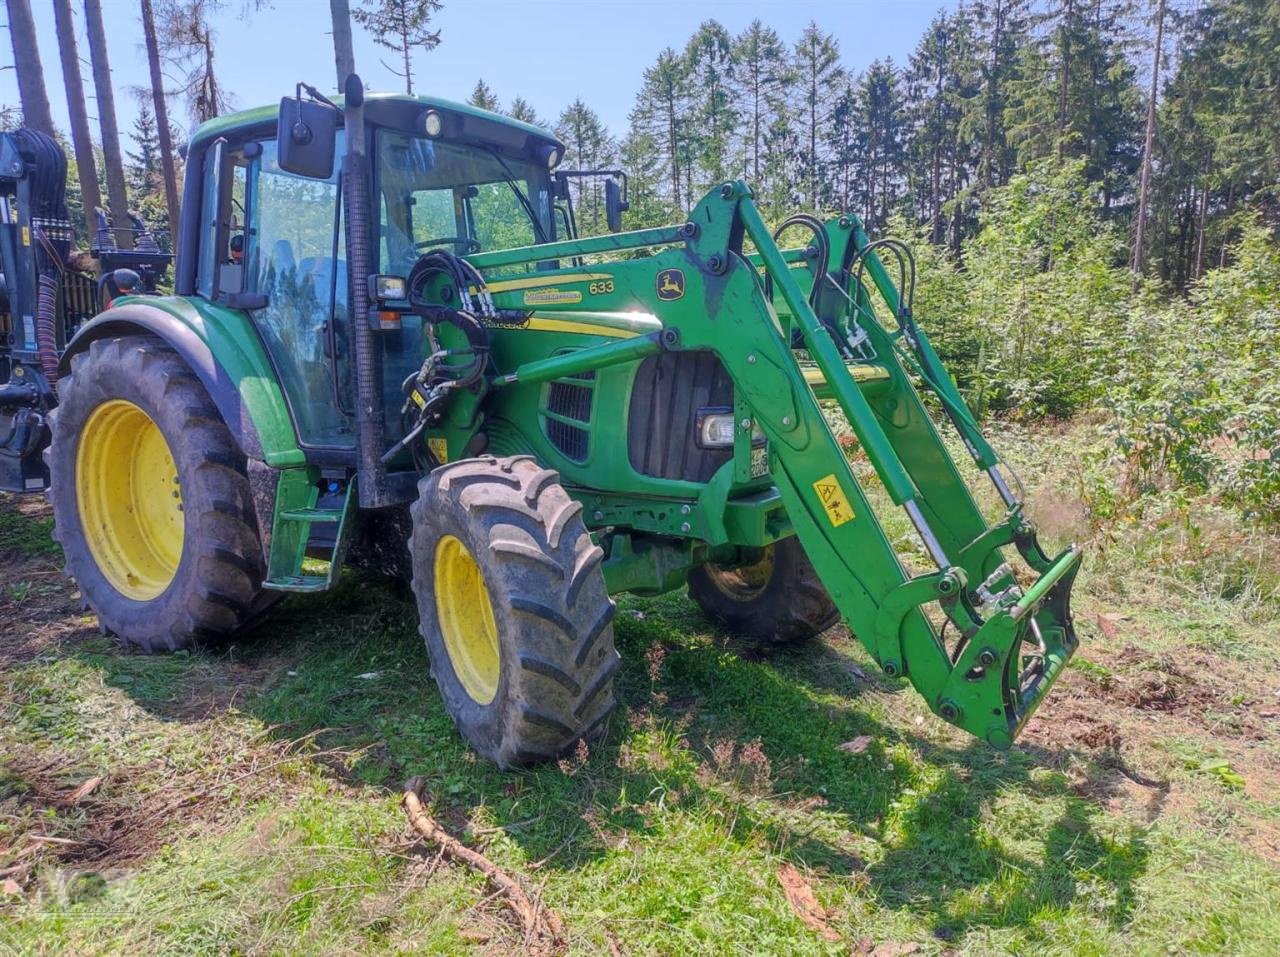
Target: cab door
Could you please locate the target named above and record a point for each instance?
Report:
(295, 258)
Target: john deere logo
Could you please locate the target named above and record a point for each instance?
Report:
(670, 284)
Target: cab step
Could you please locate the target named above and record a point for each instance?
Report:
(294, 530)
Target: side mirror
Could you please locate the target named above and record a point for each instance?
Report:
(614, 205)
(306, 138)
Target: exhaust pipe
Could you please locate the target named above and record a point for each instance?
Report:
(370, 431)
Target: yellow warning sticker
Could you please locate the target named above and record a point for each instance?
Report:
(26, 235)
(439, 448)
(831, 495)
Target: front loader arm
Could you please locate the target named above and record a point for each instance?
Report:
(710, 296)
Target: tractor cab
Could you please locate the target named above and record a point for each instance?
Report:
(271, 236)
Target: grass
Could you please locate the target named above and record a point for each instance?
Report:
(249, 800)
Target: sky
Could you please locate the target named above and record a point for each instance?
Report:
(548, 51)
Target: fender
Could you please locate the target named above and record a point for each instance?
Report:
(228, 358)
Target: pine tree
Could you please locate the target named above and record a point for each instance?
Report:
(881, 113)
(760, 77)
(662, 111)
(1077, 95)
(588, 145)
(143, 171)
(185, 37)
(26, 62)
(709, 65)
(940, 80)
(81, 139)
(521, 110)
(816, 61)
(484, 98)
(401, 26)
(1000, 28)
(847, 143)
(638, 154)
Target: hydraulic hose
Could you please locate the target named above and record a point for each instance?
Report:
(46, 325)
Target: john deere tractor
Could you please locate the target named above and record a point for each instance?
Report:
(388, 346)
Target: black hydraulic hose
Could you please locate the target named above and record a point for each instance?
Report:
(906, 268)
(815, 226)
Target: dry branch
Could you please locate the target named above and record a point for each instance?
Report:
(543, 929)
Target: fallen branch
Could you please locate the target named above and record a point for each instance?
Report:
(543, 929)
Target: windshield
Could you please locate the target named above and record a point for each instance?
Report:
(432, 192)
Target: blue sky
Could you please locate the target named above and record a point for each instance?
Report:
(548, 51)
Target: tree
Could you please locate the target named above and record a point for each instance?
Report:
(521, 110)
(662, 111)
(344, 57)
(588, 145)
(143, 171)
(401, 26)
(881, 115)
(117, 196)
(1000, 33)
(638, 155)
(941, 78)
(1148, 142)
(81, 140)
(709, 65)
(26, 61)
(816, 60)
(168, 169)
(484, 98)
(1077, 95)
(760, 77)
(185, 35)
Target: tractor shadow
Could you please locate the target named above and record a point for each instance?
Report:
(704, 722)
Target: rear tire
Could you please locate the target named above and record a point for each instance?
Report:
(513, 608)
(777, 599)
(151, 499)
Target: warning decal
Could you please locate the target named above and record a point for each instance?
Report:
(439, 448)
(831, 495)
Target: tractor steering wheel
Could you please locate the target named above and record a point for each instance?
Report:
(468, 244)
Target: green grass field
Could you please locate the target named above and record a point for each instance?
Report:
(249, 798)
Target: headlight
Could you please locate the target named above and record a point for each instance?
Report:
(432, 123)
(716, 428)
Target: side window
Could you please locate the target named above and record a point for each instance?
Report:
(293, 256)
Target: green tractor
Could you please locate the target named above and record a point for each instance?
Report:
(387, 346)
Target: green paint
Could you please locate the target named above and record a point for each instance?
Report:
(235, 345)
(598, 308)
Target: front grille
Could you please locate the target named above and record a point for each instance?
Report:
(669, 390)
(569, 402)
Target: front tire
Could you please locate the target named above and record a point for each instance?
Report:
(513, 608)
(151, 499)
(776, 599)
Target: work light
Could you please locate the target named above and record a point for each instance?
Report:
(388, 288)
(715, 428)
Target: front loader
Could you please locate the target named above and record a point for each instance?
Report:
(409, 361)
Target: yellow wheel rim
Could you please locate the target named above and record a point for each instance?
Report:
(743, 582)
(130, 500)
(466, 620)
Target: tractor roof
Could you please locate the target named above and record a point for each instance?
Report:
(379, 108)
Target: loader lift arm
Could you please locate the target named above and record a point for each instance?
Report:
(1012, 642)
